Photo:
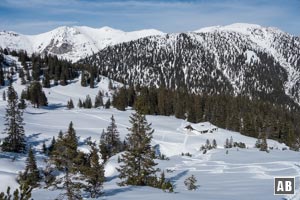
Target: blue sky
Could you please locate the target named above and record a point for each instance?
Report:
(36, 16)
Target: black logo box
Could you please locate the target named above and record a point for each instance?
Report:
(284, 185)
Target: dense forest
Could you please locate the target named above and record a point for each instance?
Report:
(252, 117)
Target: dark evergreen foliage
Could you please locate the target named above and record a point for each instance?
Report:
(94, 174)
(23, 193)
(190, 183)
(35, 94)
(138, 164)
(107, 104)
(31, 175)
(248, 116)
(110, 143)
(15, 141)
(66, 158)
(99, 100)
(70, 104)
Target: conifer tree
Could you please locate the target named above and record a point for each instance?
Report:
(98, 100)
(15, 141)
(31, 175)
(138, 161)
(107, 104)
(110, 143)
(80, 105)
(103, 146)
(51, 147)
(46, 80)
(88, 102)
(214, 143)
(63, 157)
(2, 80)
(44, 148)
(94, 174)
(4, 96)
(22, 104)
(23, 193)
(190, 183)
(110, 85)
(36, 94)
(70, 104)
(120, 99)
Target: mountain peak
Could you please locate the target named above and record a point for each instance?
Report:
(236, 27)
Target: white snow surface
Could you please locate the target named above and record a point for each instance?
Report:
(241, 174)
(83, 40)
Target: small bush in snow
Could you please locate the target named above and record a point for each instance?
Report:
(190, 183)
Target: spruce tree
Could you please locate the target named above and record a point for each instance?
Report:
(107, 104)
(36, 95)
(103, 146)
(22, 104)
(23, 193)
(110, 143)
(4, 96)
(63, 157)
(80, 105)
(44, 148)
(31, 175)
(214, 143)
(138, 164)
(46, 80)
(88, 102)
(190, 183)
(2, 80)
(94, 174)
(70, 104)
(15, 141)
(51, 147)
(99, 100)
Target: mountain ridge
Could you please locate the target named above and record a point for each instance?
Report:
(71, 43)
(255, 61)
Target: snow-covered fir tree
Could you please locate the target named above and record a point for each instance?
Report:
(190, 183)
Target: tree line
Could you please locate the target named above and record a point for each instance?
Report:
(251, 117)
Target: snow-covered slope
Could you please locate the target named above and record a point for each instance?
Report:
(229, 174)
(239, 174)
(284, 47)
(72, 43)
(239, 59)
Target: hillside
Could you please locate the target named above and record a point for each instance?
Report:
(246, 59)
(232, 173)
(242, 173)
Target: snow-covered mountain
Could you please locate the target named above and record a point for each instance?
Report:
(72, 43)
(238, 59)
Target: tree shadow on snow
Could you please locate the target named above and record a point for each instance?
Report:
(53, 106)
(113, 192)
(108, 179)
(179, 175)
(31, 113)
(33, 141)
